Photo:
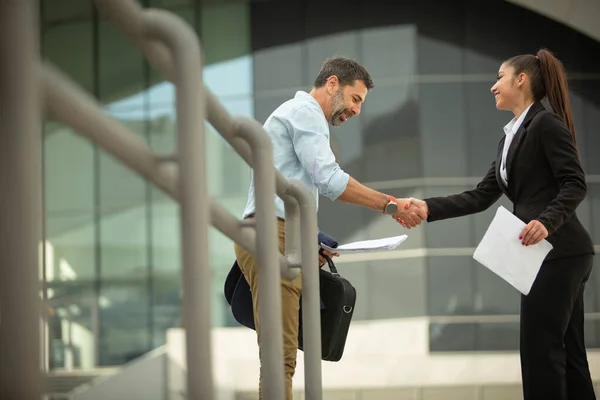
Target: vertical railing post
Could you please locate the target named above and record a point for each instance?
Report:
(195, 209)
(20, 202)
(311, 309)
(267, 249)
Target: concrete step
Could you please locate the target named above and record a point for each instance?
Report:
(488, 392)
(58, 383)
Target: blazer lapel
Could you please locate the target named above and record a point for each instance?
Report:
(518, 138)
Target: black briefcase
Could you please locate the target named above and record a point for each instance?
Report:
(339, 297)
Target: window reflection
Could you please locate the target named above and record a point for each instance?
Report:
(112, 250)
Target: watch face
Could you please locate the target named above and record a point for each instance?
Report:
(391, 208)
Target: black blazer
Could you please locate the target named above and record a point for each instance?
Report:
(545, 182)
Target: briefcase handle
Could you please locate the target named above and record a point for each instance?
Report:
(330, 263)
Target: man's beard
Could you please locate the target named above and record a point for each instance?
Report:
(337, 109)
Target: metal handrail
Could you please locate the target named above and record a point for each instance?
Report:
(69, 104)
(194, 215)
(20, 202)
(126, 16)
(164, 38)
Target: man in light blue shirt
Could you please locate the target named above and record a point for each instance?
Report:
(299, 131)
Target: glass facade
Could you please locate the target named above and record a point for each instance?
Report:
(111, 256)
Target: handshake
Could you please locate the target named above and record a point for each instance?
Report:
(411, 212)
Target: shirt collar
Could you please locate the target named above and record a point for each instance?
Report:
(302, 95)
(513, 126)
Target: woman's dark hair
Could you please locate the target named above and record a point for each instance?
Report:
(548, 79)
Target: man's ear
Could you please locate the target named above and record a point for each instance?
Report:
(332, 84)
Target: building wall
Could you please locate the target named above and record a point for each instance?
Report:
(428, 128)
(384, 359)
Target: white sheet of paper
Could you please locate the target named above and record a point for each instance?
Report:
(501, 251)
(388, 243)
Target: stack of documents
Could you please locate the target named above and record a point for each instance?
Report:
(502, 252)
(389, 243)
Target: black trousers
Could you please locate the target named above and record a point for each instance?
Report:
(554, 363)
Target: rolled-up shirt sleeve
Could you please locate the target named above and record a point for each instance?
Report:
(310, 135)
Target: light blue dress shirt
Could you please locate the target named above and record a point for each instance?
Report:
(301, 150)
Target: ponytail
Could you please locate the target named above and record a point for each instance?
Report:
(556, 87)
(547, 79)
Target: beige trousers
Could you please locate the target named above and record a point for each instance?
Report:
(290, 304)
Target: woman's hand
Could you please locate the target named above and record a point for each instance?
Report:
(533, 233)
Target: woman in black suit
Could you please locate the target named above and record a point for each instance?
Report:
(538, 168)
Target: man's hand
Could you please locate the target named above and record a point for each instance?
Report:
(322, 261)
(533, 233)
(411, 212)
